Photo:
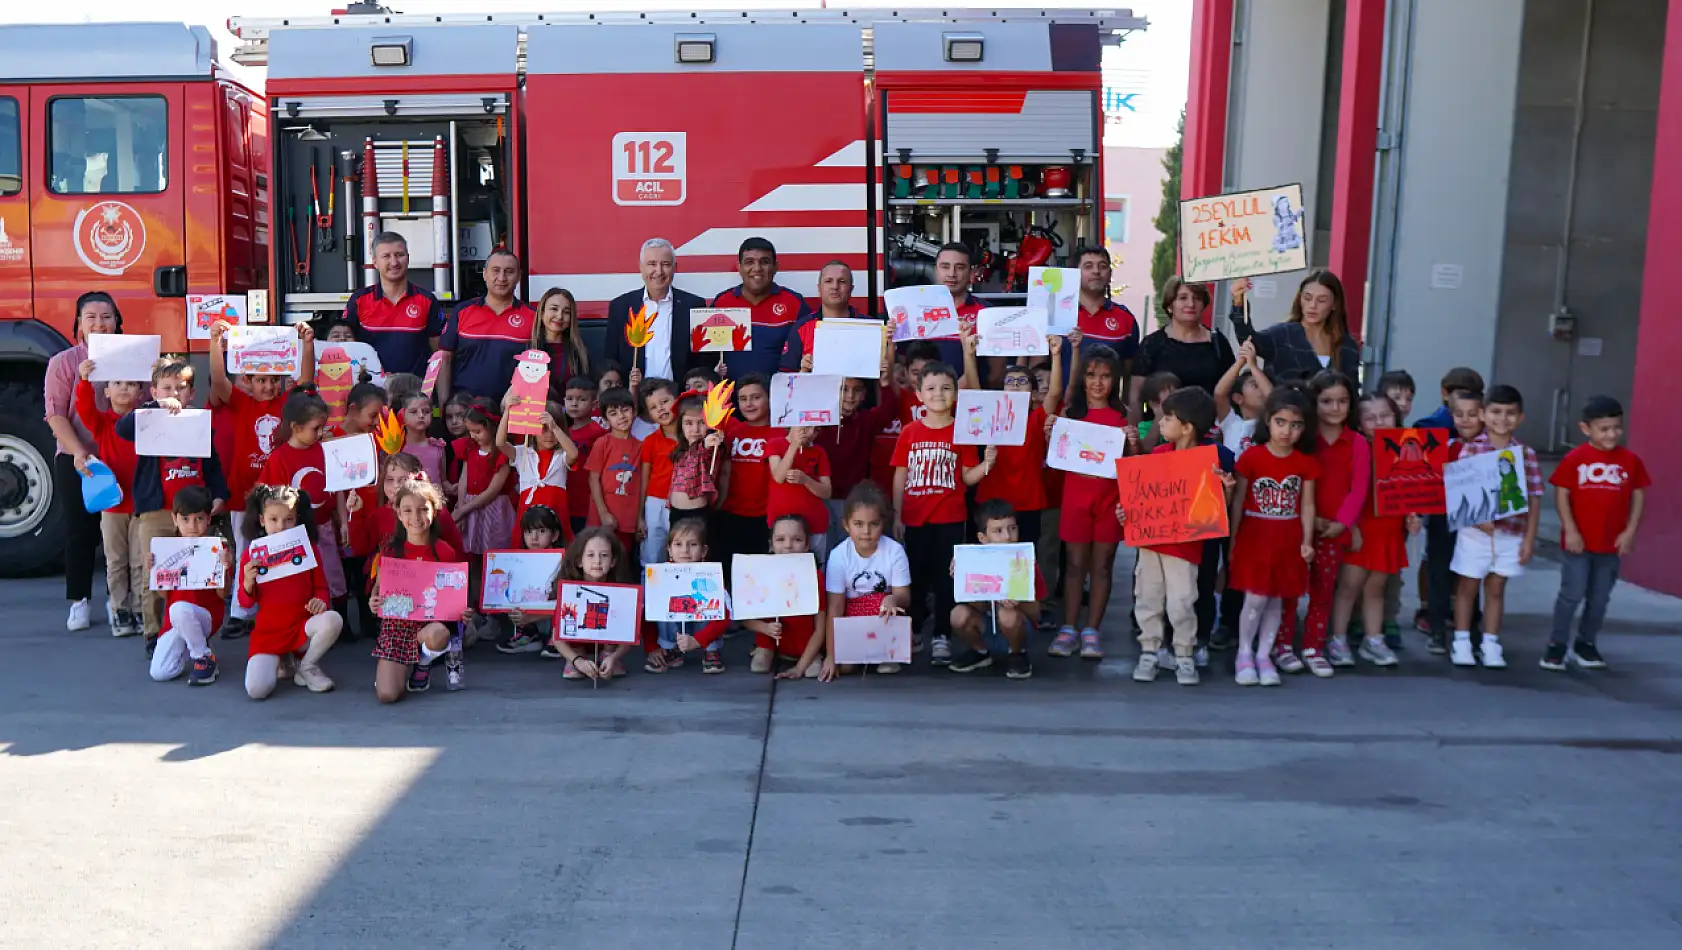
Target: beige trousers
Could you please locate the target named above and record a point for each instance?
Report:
(153, 524)
(1165, 586)
(125, 560)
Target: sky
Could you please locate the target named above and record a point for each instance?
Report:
(1145, 78)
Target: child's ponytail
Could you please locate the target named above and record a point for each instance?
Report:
(263, 496)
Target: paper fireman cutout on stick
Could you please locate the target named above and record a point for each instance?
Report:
(334, 377)
(531, 393)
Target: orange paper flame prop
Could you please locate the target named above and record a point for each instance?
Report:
(717, 405)
(389, 434)
(639, 329)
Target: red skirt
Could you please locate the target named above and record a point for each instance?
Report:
(1266, 560)
(1383, 545)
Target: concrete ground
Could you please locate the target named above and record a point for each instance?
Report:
(1420, 807)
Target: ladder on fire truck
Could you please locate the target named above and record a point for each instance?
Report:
(1113, 23)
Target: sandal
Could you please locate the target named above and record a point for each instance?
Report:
(571, 673)
(655, 662)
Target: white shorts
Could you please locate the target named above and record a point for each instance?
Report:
(1478, 555)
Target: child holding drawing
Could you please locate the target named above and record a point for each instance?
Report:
(190, 616)
(686, 543)
(931, 474)
(125, 560)
(482, 508)
(792, 638)
(1377, 553)
(540, 468)
(615, 468)
(800, 484)
(1016, 476)
(540, 530)
(595, 556)
(292, 612)
(980, 625)
(868, 575)
(407, 649)
(301, 463)
(697, 462)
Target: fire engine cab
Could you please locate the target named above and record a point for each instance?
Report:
(869, 136)
(129, 163)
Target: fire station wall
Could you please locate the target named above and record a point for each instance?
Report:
(1456, 144)
(1275, 121)
(1604, 252)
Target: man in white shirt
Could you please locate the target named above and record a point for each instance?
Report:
(667, 355)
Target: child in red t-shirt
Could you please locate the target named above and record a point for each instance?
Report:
(654, 516)
(744, 484)
(800, 485)
(1377, 552)
(1016, 478)
(292, 612)
(578, 404)
(541, 463)
(254, 414)
(1087, 523)
(1600, 489)
(125, 555)
(407, 648)
(794, 639)
(907, 376)
(930, 477)
(1272, 524)
(615, 468)
(301, 462)
(190, 616)
(1345, 460)
(982, 625)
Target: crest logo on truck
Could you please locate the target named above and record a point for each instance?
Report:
(109, 237)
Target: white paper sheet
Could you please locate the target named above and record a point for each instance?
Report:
(991, 572)
(685, 592)
(805, 399)
(1084, 447)
(924, 312)
(988, 417)
(1056, 290)
(264, 351)
(845, 347)
(351, 462)
(773, 585)
(122, 357)
(183, 435)
(188, 564)
(1011, 331)
(276, 556)
(872, 640)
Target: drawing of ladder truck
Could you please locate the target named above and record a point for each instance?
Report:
(594, 615)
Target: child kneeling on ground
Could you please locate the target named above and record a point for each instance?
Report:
(292, 613)
(189, 616)
(982, 625)
(792, 638)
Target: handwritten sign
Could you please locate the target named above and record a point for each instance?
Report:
(188, 564)
(282, 554)
(1408, 471)
(1243, 234)
(160, 433)
(925, 312)
(805, 399)
(992, 572)
(727, 330)
(203, 310)
(351, 462)
(589, 612)
(1485, 488)
(1084, 447)
(520, 580)
(1055, 290)
(685, 592)
(422, 590)
(1172, 497)
(1011, 331)
(848, 347)
(264, 351)
(122, 357)
(872, 640)
(774, 585)
(988, 417)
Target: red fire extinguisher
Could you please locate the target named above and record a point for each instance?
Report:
(1034, 251)
(1054, 183)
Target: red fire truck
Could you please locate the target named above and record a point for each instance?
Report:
(571, 138)
(129, 163)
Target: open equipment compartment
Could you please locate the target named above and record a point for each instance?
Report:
(439, 135)
(990, 136)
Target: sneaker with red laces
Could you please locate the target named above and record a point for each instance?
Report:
(712, 662)
(1317, 663)
(203, 672)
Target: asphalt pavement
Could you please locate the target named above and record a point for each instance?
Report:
(1418, 807)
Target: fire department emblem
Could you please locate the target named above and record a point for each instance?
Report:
(413, 310)
(779, 308)
(516, 319)
(1112, 323)
(110, 237)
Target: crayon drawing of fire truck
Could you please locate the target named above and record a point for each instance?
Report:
(585, 615)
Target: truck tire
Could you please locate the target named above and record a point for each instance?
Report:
(32, 519)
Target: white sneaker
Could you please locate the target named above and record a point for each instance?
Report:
(1461, 653)
(887, 667)
(1375, 651)
(1145, 670)
(1493, 658)
(1165, 658)
(78, 619)
(763, 660)
(1185, 671)
(940, 654)
(312, 679)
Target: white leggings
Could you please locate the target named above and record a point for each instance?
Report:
(262, 670)
(240, 541)
(1259, 618)
(189, 626)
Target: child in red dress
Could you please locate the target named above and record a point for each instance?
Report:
(540, 468)
(1377, 553)
(292, 612)
(1272, 530)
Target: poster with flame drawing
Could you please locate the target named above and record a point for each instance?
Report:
(986, 417)
(1172, 497)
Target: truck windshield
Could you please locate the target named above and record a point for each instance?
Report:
(109, 145)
